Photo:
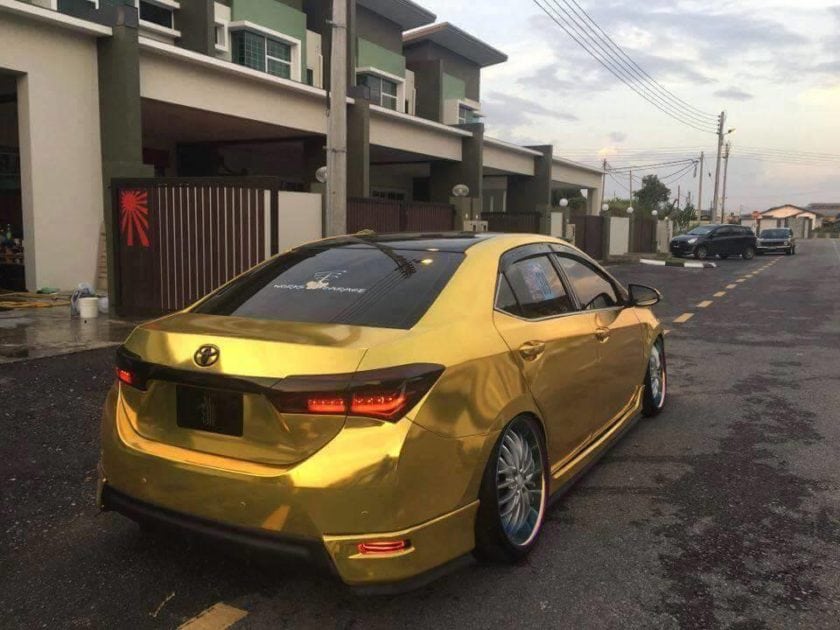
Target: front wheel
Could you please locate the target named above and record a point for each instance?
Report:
(513, 495)
(789, 251)
(656, 381)
(701, 253)
(748, 253)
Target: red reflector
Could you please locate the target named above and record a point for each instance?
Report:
(383, 546)
(384, 404)
(124, 376)
(326, 405)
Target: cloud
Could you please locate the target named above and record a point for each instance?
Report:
(734, 94)
(508, 111)
(617, 136)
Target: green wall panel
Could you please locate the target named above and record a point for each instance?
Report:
(373, 56)
(283, 17)
(453, 88)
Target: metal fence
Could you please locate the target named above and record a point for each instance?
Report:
(385, 216)
(177, 239)
(518, 222)
(589, 234)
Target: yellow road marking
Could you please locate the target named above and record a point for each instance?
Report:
(682, 319)
(731, 286)
(740, 280)
(667, 332)
(705, 304)
(217, 617)
(720, 293)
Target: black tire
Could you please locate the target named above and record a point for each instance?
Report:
(793, 251)
(492, 542)
(789, 251)
(652, 404)
(723, 256)
(701, 253)
(748, 253)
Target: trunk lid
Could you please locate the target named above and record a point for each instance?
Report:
(253, 355)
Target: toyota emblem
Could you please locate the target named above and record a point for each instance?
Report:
(206, 356)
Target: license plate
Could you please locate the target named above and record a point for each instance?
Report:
(209, 410)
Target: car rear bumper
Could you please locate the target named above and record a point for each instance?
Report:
(373, 482)
(772, 248)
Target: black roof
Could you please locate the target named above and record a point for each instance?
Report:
(458, 242)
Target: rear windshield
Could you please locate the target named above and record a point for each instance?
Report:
(775, 234)
(362, 285)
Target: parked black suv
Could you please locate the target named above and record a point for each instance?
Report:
(711, 240)
(776, 240)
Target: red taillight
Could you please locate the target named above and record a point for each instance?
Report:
(382, 394)
(335, 405)
(378, 403)
(383, 546)
(127, 377)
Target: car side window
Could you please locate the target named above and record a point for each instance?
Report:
(594, 291)
(536, 288)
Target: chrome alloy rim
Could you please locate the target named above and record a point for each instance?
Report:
(656, 367)
(520, 484)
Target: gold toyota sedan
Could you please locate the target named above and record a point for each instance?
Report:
(384, 405)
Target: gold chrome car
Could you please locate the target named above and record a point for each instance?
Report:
(385, 405)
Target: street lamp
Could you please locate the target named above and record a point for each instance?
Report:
(564, 203)
(605, 207)
(630, 210)
(655, 213)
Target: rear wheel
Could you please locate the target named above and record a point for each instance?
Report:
(656, 381)
(701, 253)
(513, 494)
(748, 253)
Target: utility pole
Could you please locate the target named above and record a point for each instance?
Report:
(725, 174)
(716, 200)
(679, 194)
(631, 187)
(702, 176)
(336, 212)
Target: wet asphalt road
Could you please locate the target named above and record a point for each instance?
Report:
(723, 512)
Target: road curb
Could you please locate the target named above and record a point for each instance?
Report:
(690, 264)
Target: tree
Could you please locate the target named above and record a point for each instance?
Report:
(653, 195)
(682, 217)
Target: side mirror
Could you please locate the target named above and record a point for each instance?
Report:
(643, 296)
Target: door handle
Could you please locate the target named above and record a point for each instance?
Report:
(532, 350)
(603, 334)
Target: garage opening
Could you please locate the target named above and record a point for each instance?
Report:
(12, 276)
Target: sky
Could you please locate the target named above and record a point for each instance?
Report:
(773, 66)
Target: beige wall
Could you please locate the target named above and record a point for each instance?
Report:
(508, 160)
(61, 168)
(185, 78)
(411, 134)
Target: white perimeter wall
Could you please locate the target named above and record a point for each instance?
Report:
(60, 153)
(299, 219)
(619, 236)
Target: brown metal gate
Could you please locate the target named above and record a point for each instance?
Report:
(589, 234)
(517, 222)
(176, 239)
(385, 216)
(644, 235)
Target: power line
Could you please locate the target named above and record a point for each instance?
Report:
(587, 32)
(617, 73)
(632, 63)
(651, 166)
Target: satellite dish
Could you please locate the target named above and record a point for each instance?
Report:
(460, 190)
(321, 174)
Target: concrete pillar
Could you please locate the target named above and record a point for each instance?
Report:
(469, 171)
(197, 23)
(596, 200)
(428, 77)
(533, 194)
(358, 149)
(121, 126)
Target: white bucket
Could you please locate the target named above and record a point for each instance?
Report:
(89, 308)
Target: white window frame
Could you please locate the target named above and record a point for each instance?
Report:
(166, 31)
(469, 105)
(289, 63)
(244, 25)
(393, 78)
(224, 46)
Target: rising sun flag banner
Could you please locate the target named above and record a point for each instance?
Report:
(134, 216)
